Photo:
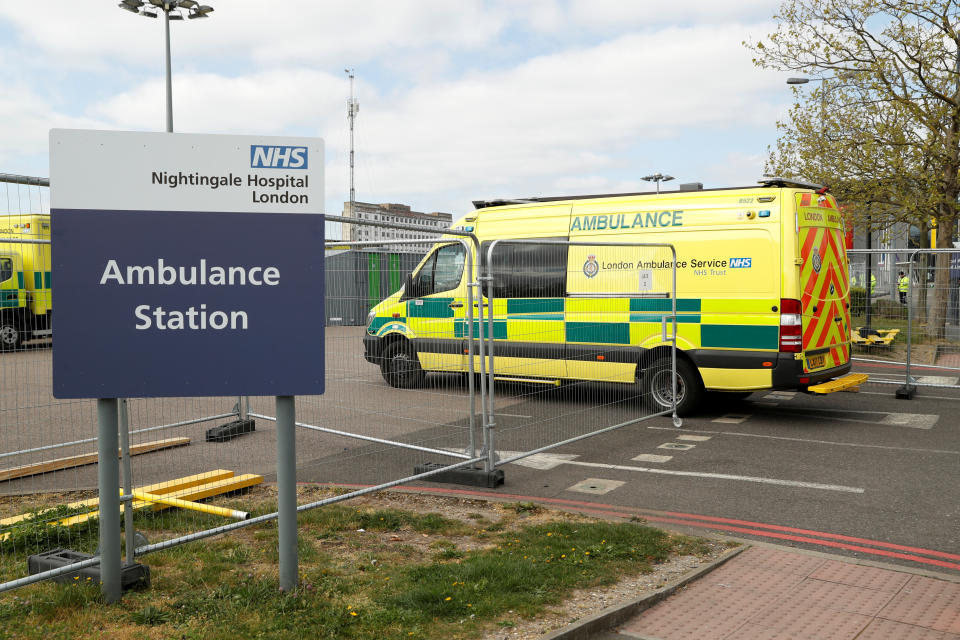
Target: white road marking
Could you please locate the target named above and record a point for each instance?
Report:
(912, 420)
(721, 476)
(596, 486)
(677, 446)
(511, 415)
(541, 461)
(813, 441)
(731, 418)
(888, 394)
(692, 438)
(940, 380)
(546, 461)
(780, 395)
(652, 457)
(888, 418)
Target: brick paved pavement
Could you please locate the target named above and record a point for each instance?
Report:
(777, 594)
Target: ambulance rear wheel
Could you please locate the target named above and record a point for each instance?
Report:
(10, 335)
(400, 367)
(658, 386)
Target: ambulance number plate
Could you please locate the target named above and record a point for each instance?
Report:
(817, 361)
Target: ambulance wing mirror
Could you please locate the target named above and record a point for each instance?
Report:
(408, 288)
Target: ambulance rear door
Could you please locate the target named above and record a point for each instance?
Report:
(824, 283)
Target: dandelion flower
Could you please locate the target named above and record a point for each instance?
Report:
(447, 599)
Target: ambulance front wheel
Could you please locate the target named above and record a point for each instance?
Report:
(400, 367)
(10, 335)
(658, 387)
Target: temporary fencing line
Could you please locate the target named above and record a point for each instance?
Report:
(357, 436)
(146, 430)
(200, 535)
(489, 445)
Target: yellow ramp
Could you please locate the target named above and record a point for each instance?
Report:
(840, 384)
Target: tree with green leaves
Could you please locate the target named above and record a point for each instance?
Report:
(882, 127)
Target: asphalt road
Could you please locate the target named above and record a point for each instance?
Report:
(861, 474)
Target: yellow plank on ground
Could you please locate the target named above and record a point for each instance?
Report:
(844, 382)
(156, 498)
(158, 488)
(195, 493)
(85, 459)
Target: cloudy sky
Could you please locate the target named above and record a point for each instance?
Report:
(459, 100)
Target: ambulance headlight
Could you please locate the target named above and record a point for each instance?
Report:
(370, 317)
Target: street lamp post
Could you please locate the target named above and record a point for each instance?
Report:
(171, 11)
(658, 178)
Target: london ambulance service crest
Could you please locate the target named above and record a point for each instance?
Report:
(817, 261)
(591, 267)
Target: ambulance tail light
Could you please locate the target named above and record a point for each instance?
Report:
(791, 329)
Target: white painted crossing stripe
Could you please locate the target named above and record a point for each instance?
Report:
(912, 420)
(938, 380)
(652, 457)
(541, 461)
(732, 418)
(692, 438)
(511, 415)
(721, 476)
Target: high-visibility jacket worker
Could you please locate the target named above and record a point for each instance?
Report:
(903, 285)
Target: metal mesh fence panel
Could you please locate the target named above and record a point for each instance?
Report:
(905, 314)
(382, 420)
(396, 402)
(581, 337)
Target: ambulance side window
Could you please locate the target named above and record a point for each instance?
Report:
(6, 269)
(528, 270)
(442, 271)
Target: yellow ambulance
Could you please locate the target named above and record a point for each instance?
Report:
(762, 294)
(25, 295)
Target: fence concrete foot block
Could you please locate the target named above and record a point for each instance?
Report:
(231, 430)
(906, 392)
(470, 476)
(132, 575)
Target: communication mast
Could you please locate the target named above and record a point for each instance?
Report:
(353, 107)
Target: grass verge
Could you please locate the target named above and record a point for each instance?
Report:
(367, 571)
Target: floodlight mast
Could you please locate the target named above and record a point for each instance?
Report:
(658, 178)
(171, 11)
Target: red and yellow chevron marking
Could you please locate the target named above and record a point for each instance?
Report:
(815, 200)
(820, 306)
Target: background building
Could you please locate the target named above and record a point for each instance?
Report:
(395, 213)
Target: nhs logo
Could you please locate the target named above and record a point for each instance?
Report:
(276, 157)
(740, 263)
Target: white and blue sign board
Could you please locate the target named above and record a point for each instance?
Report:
(186, 265)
